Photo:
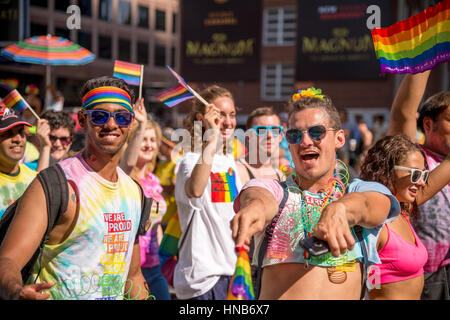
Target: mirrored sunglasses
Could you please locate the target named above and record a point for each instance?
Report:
(64, 140)
(316, 133)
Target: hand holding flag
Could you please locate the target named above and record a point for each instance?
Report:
(241, 287)
(15, 101)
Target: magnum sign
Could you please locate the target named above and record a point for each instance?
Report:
(334, 41)
(220, 40)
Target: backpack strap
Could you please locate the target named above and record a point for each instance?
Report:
(267, 235)
(146, 207)
(54, 184)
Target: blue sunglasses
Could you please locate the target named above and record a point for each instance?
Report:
(262, 130)
(100, 117)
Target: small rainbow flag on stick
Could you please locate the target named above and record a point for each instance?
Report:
(174, 96)
(131, 73)
(241, 287)
(416, 44)
(181, 92)
(15, 101)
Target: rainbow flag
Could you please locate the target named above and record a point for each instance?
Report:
(416, 44)
(14, 101)
(223, 186)
(241, 287)
(175, 95)
(129, 72)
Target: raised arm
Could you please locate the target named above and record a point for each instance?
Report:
(196, 184)
(438, 179)
(131, 154)
(402, 118)
(45, 146)
(21, 241)
(257, 207)
(368, 209)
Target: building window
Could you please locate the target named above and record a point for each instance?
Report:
(279, 26)
(85, 40)
(37, 29)
(124, 13)
(277, 81)
(160, 56)
(105, 10)
(142, 17)
(160, 20)
(173, 57)
(85, 7)
(142, 52)
(39, 3)
(124, 49)
(62, 32)
(104, 47)
(62, 5)
(174, 23)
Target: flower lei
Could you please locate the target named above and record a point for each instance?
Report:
(310, 92)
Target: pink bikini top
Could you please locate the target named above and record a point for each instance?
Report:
(400, 259)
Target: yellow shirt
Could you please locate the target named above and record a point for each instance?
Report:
(13, 186)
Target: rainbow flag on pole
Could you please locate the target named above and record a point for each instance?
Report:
(14, 101)
(175, 95)
(416, 44)
(241, 286)
(129, 72)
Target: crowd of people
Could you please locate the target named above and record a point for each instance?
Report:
(377, 199)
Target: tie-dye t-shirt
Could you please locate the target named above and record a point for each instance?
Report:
(93, 262)
(433, 224)
(13, 186)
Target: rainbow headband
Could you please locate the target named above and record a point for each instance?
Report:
(106, 95)
(310, 92)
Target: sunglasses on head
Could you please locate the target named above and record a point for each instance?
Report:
(64, 140)
(100, 117)
(316, 133)
(415, 174)
(262, 130)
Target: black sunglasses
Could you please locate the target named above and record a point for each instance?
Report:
(100, 117)
(317, 133)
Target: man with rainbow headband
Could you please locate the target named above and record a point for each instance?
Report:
(92, 252)
(311, 203)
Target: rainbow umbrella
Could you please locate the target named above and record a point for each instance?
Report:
(241, 287)
(49, 51)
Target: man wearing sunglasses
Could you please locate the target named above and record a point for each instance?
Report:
(433, 223)
(303, 209)
(263, 138)
(92, 251)
(55, 132)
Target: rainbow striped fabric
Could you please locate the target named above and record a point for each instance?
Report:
(223, 186)
(14, 101)
(107, 94)
(416, 44)
(175, 95)
(241, 287)
(129, 72)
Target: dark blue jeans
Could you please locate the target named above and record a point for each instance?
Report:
(156, 283)
(218, 292)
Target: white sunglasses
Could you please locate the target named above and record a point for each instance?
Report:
(416, 174)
